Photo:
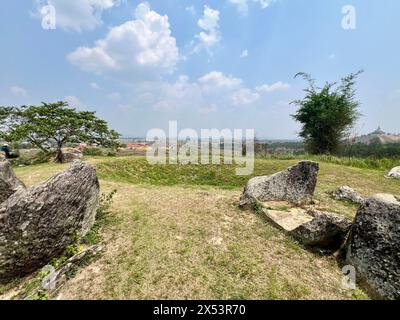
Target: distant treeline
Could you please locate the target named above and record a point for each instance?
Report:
(286, 147)
(358, 150)
(374, 150)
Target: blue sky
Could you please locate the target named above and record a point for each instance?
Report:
(207, 64)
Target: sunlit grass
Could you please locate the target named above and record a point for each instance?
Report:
(179, 234)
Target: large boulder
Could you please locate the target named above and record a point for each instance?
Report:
(373, 245)
(325, 230)
(394, 173)
(9, 183)
(295, 184)
(37, 224)
(348, 194)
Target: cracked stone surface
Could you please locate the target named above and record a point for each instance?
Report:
(310, 227)
(9, 183)
(373, 245)
(295, 184)
(37, 224)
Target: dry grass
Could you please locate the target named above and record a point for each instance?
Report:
(192, 242)
(331, 176)
(175, 243)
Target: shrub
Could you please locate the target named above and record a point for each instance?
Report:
(38, 158)
(92, 152)
(327, 114)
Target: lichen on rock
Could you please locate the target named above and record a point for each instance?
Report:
(37, 224)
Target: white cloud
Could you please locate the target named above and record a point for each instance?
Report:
(211, 34)
(244, 54)
(217, 80)
(77, 15)
(210, 19)
(273, 87)
(209, 93)
(18, 91)
(244, 96)
(243, 5)
(191, 9)
(94, 85)
(204, 95)
(143, 47)
(115, 96)
(73, 101)
(181, 94)
(265, 3)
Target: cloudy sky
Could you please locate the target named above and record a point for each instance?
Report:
(207, 64)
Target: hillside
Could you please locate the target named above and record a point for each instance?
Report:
(173, 234)
(379, 136)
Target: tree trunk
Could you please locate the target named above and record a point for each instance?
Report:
(59, 156)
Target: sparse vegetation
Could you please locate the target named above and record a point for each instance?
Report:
(382, 164)
(176, 232)
(74, 248)
(102, 219)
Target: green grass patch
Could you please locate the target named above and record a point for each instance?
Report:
(332, 175)
(139, 171)
(384, 164)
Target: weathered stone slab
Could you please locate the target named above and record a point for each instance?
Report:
(310, 227)
(288, 219)
(348, 194)
(325, 230)
(373, 246)
(394, 173)
(37, 224)
(9, 183)
(295, 184)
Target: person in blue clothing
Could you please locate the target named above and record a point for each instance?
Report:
(6, 149)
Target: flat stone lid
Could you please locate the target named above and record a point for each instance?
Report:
(285, 216)
(387, 198)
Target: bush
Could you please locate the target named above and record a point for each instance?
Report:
(327, 114)
(92, 152)
(37, 158)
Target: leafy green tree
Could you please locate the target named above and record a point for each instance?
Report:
(327, 114)
(50, 126)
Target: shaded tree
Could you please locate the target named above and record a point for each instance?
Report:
(50, 126)
(327, 114)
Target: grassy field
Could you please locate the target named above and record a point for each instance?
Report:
(177, 233)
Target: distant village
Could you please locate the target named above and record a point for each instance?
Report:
(139, 146)
(268, 146)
